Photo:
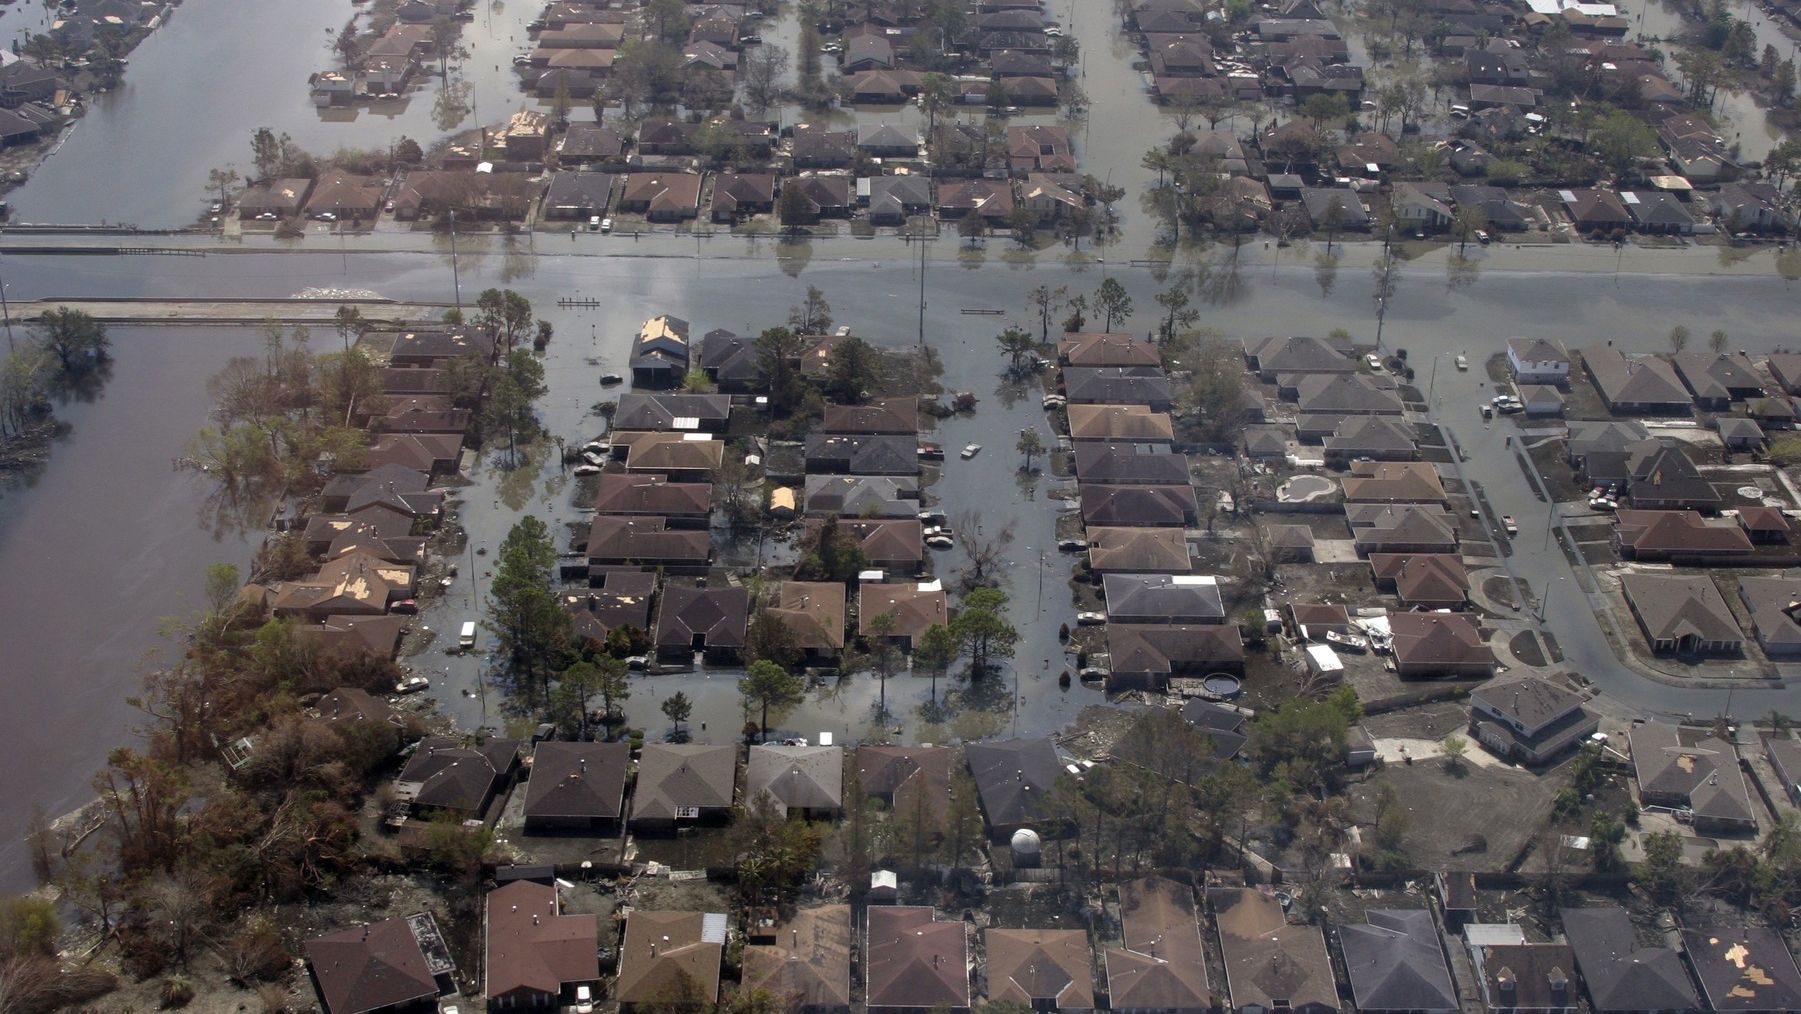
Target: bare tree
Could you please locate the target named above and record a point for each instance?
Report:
(984, 551)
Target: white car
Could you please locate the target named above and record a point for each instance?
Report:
(972, 450)
(584, 1000)
(1088, 618)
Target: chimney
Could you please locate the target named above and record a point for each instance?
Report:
(1560, 983)
(1505, 982)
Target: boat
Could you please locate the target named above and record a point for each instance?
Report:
(971, 450)
(587, 470)
(411, 685)
(1349, 642)
(1507, 523)
(1089, 618)
(596, 446)
(939, 542)
(1463, 362)
(594, 458)
(609, 379)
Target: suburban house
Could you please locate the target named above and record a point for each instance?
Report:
(1162, 966)
(536, 955)
(396, 964)
(1146, 655)
(445, 775)
(1138, 550)
(1660, 535)
(1532, 721)
(683, 784)
(661, 196)
(1743, 968)
(649, 495)
(1129, 464)
(1222, 728)
(1693, 770)
(628, 541)
(912, 781)
(694, 620)
(1346, 394)
(1439, 644)
(1376, 437)
(670, 412)
(670, 960)
(1395, 963)
(1764, 524)
(862, 454)
(1624, 975)
(1163, 598)
(1114, 385)
(660, 352)
(1276, 356)
(1660, 474)
(1538, 360)
(915, 606)
(1271, 964)
(1718, 379)
(806, 962)
(1774, 602)
(1014, 778)
(894, 199)
(800, 780)
(1635, 385)
(893, 544)
(1422, 580)
(1045, 969)
(1750, 207)
(1523, 978)
(1738, 433)
(879, 416)
(1393, 482)
(1595, 210)
(576, 786)
(692, 457)
(914, 962)
(1401, 528)
(741, 195)
(1135, 423)
(1682, 614)
(282, 198)
(813, 612)
(1784, 755)
(1102, 348)
(1657, 212)
(622, 599)
(1139, 506)
(862, 496)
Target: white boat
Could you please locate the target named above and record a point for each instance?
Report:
(1463, 362)
(1348, 642)
(411, 685)
(971, 450)
(939, 542)
(587, 470)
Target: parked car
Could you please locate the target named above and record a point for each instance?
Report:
(1089, 618)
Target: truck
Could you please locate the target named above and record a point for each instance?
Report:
(466, 639)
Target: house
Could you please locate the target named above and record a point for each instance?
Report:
(1180, 54)
(1274, 357)
(1334, 209)
(526, 135)
(1395, 963)
(740, 195)
(894, 199)
(1046, 969)
(1095, 348)
(1693, 770)
(693, 620)
(825, 196)
(916, 608)
(1717, 379)
(1147, 655)
(1764, 524)
(1137, 424)
(1122, 464)
(1267, 443)
(1138, 550)
(1624, 976)
(1271, 964)
(704, 56)
(689, 457)
(1501, 211)
(1531, 720)
(1163, 598)
(914, 962)
(1497, 66)
(661, 196)
(645, 541)
(663, 412)
(679, 504)
(1541, 400)
(1039, 149)
(730, 361)
(1739, 434)
(1750, 207)
(1339, 394)
(577, 195)
(1682, 615)
(536, 955)
(576, 786)
(885, 140)
(341, 195)
(895, 544)
(807, 781)
(1657, 211)
(1774, 603)
(359, 582)
(991, 200)
(1635, 385)
(1424, 580)
(862, 496)
(815, 147)
(1538, 361)
(1523, 978)
(436, 453)
(445, 775)
(1784, 755)
(282, 198)
(1599, 449)
(877, 416)
(1422, 207)
(396, 964)
(1222, 728)
(622, 600)
(867, 52)
(1139, 506)
(1014, 778)
(1661, 534)
(1162, 966)
(912, 781)
(1393, 482)
(813, 612)
(660, 352)
(1118, 385)
(670, 960)
(1595, 210)
(807, 962)
(883, 87)
(1401, 528)
(586, 143)
(1743, 968)
(680, 784)
(666, 137)
(1428, 645)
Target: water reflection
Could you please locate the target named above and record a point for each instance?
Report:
(1325, 272)
(1461, 271)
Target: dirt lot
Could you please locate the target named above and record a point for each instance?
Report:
(1444, 824)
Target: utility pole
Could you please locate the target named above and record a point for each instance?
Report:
(456, 281)
(7, 311)
(922, 292)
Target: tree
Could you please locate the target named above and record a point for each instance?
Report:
(984, 552)
(1113, 302)
(972, 228)
(794, 208)
(1177, 314)
(676, 707)
(771, 688)
(1017, 344)
(578, 684)
(1031, 445)
(1717, 341)
(1660, 874)
(1078, 313)
(531, 625)
(1678, 339)
(265, 152)
(760, 72)
(852, 371)
(1044, 301)
(513, 386)
(344, 44)
(1471, 219)
(936, 649)
(981, 627)
(1454, 748)
(221, 180)
(74, 337)
(812, 315)
(1621, 139)
(1323, 108)
(778, 360)
(1022, 222)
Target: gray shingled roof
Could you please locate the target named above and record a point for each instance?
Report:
(1395, 962)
